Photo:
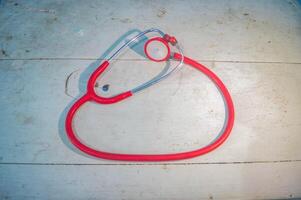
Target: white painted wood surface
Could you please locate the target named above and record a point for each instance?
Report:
(208, 181)
(48, 50)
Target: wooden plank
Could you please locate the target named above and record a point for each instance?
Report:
(231, 181)
(183, 112)
(225, 31)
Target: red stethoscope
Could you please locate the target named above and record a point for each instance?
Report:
(151, 49)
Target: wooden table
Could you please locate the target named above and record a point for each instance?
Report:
(48, 50)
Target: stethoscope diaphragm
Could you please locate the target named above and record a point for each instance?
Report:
(157, 49)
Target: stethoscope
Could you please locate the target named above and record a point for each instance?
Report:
(150, 49)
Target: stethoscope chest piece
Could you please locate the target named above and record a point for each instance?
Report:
(157, 49)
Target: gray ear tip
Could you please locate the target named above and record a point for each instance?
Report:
(105, 87)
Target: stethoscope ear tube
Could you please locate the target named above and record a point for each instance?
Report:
(91, 96)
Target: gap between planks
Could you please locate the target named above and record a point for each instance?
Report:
(129, 59)
(154, 164)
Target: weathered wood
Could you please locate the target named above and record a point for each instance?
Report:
(183, 112)
(228, 30)
(48, 49)
(231, 181)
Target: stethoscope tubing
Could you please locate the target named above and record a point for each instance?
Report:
(91, 96)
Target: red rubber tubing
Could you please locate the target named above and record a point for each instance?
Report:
(91, 96)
